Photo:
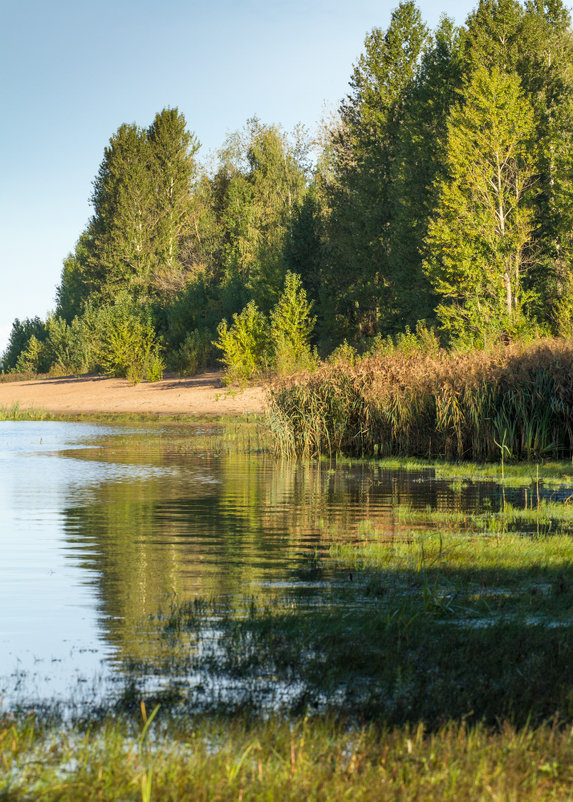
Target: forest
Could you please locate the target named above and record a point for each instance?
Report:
(437, 203)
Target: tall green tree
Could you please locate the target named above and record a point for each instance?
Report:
(420, 161)
(535, 41)
(364, 150)
(261, 181)
(123, 225)
(480, 240)
(172, 171)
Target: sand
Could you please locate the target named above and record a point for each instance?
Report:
(203, 394)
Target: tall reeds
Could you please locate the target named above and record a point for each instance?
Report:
(515, 399)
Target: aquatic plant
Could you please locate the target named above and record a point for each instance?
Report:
(516, 400)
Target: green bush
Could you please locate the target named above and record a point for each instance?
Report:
(31, 359)
(291, 328)
(128, 348)
(20, 336)
(194, 353)
(66, 348)
(154, 367)
(245, 345)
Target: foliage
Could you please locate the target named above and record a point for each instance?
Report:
(245, 344)
(194, 353)
(128, 347)
(20, 335)
(291, 328)
(480, 240)
(441, 191)
(31, 359)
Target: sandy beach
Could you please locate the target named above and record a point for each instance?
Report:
(204, 394)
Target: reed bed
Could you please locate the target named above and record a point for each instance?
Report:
(511, 403)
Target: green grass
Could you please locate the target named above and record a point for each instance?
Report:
(513, 474)
(314, 759)
(15, 413)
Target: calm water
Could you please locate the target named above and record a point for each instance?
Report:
(101, 527)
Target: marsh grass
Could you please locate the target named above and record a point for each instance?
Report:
(514, 402)
(15, 413)
(310, 758)
(425, 628)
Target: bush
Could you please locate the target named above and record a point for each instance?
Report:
(66, 348)
(194, 353)
(245, 345)
(291, 327)
(31, 359)
(128, 349)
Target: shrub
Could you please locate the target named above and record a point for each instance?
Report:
(127, 348)
(66, 349)
(291, 327)
(20, 336)
(194, 353)
(154, 367)
(245, 345)
(31, 359)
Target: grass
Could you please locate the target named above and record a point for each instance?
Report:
(319, 759)
(15, 413)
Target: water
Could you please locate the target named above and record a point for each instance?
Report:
(103, 527)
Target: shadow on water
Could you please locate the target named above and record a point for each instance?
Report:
(223, 580)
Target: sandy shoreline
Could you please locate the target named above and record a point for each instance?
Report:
(204, 394)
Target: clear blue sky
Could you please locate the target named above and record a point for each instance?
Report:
(73, 71)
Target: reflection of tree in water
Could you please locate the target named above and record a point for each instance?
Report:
(222, 522)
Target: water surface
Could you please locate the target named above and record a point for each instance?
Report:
(103, 526)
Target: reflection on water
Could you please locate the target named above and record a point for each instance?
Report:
(101, 527)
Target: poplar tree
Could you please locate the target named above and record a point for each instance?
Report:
(480, 239)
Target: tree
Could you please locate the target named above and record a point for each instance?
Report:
(172, 169)
(364, 150)
(260, 182)
(420, 161)
(122, 248)
(480, 239)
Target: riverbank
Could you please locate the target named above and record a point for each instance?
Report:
(204, 394)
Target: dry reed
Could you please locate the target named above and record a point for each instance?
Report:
(515, 401)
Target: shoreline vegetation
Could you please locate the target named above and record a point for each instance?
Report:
(509, 403)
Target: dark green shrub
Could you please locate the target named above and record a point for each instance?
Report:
(194, 353)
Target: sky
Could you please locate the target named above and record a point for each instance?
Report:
(75, 70)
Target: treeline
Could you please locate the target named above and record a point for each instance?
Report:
(440, 196)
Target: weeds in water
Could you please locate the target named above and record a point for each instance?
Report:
(306, 758)
(15, 413)
(444, 404)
